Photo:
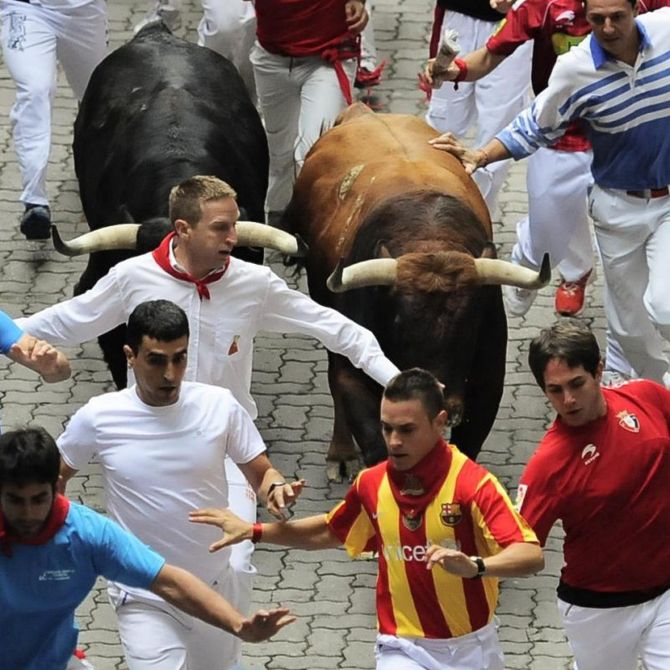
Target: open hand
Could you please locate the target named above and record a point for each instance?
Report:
(234, 529)
(264, 624)
(283, 497)
(470, 158)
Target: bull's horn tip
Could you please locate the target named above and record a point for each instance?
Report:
(302, 247)
(58, 243)
(545, 270)
(334, 282)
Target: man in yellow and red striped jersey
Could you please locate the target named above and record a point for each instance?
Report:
(444, 530)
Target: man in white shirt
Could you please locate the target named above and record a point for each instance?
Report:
(227, 301)
(162, 445)
(35, 37)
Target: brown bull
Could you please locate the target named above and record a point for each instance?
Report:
(401, 235)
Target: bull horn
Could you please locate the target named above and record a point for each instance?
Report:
(252, 234)
(494, 271)
(109, 238)
(376, 272)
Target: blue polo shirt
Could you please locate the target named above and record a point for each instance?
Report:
(41, 586)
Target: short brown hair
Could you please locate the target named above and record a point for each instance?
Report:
(417, 384)
(568, 341)
(186, 198)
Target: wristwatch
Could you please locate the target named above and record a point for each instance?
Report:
(481, 568)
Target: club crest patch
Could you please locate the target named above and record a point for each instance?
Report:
(628, 421)
(412, 522)
(451, 514)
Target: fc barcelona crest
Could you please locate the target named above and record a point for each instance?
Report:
(451, 514)
(628, 421)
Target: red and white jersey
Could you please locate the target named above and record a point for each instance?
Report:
(469, 511)
(608, 483)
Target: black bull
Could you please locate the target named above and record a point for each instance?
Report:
(157, 111)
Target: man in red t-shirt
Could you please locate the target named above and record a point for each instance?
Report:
(443, 528)
(603, 469)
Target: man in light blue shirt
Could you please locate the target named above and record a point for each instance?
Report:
(52, 551)
(616, 82)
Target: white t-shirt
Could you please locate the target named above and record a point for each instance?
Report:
(159, 463)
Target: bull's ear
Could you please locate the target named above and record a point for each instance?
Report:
(489, 251)
(381, 250)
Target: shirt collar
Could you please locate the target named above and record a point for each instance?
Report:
(600, 56)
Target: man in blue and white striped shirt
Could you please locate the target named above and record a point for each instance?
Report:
(617, 81)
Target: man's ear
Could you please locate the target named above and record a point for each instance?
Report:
(599, 372)
(182, 227)
(441, 418)
(130, 356)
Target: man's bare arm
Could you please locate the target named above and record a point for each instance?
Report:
(191, 595)
(309, 533)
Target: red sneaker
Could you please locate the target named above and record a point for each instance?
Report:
(570, 296)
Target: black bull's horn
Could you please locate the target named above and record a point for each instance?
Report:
(384, 272)
(124, 236)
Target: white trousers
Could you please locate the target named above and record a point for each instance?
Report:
(299, 99)
(479, 650)
(229, 28)
(491, 103)
(557, 221)
(633, 236)
(614, 638)
(33, 40)
(157, 636)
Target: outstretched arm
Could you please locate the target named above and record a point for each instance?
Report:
(41, 357)
(309, 533)
(191, 595)
(477, 65)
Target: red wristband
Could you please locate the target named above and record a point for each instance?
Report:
(256, 532)
(462, 71)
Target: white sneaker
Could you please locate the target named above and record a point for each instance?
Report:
(612, 378)
(518, 300)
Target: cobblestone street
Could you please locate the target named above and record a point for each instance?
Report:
(332, 595)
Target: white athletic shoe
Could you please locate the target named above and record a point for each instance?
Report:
(612, 378)
(518, 300)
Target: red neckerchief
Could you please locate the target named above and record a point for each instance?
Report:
(56, 518)
(415, 489)
(161, 255)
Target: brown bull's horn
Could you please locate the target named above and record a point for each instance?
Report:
(252, 234)
(376, 272)
(493, 271)
(109, 238)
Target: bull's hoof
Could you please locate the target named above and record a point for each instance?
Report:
(340, 471)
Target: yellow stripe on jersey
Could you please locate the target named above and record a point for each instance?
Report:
(361, 531)
(449, 588)
(486, 543)
(404, 610)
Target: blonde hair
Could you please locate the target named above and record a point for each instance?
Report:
(186, 198)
